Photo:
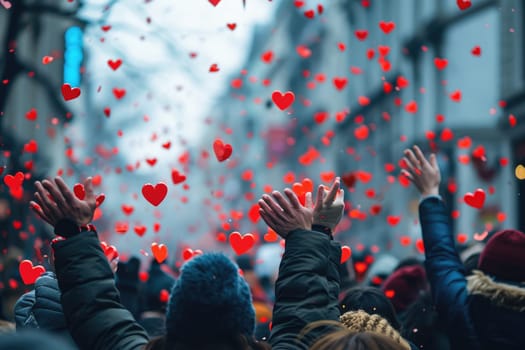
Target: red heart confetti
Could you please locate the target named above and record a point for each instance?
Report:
(160, 252)
(283, 100)
(340, 82)
(346, 253)
(214, 2)
(241, 243)
(222, 150)
(79, 191)
(155, 194)
(463, 4)
(140, 230)
(387, 27)
(177, 177)
(440, 63)
(70, 93)
(47, 59)
(115, 64)
(231, 26)
(32, 114)
(476, 199)
(30, 273)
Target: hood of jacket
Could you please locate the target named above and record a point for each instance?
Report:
(504, 295)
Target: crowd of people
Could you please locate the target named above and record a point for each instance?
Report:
(93, 301)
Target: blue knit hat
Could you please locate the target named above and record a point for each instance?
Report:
(210, 300)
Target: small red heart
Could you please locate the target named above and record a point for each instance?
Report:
(127, 209)
(140, 230)
(283, 100)
(190, 253)
(160, 252)
(30, 273)
(121, 227)
(271, 236)
(100, 199)
(267, 56)
(32, 114)
(405, 241)
(105, 28)
(463, 4)
(155, 194)
(340, 83)
(393, 220)
(110, 251)
(107, 111)
(375, 209)
(70, 93)
(465, 142)
(79, 191)
(214, 68)
(114, 64)
(411, 107)
(447, 135)
(222, 150)
(298, 3)
(476, 199)
(456, 96)
(232, 26)
(346, 253)
(481, 236)
(47, 59)
(387, 27)
(349, 179)
(31, 147)
(303, 51)
(119, 93)
(476, 51)
(164, 296)
(440, 63)
(151, 161)
(241, 243)
(361, 132)
(309, 14)
(214, 2)
(177, 177)
(462, 238)
(361, 34)
(420, 246)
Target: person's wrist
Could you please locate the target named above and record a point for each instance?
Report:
(430, 192)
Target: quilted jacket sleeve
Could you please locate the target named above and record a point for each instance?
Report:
(446, 273)
(91, 303)
(307, 288)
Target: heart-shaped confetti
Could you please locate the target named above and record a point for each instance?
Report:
(32, 114)
(387, 27)
(79, 191)
(463, 4)
(346, 253)
(283, 100)
(222, 150)
(115, 64)
(160, 252)
(480, 236)
(177, 177)
(476, 199)
(241, 243)
(70, 93)
(214, 2)
(30, 273)
(340, 83)
(155, 194)
(6, 4)
(140, 230)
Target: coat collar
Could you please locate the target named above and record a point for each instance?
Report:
(501, 294)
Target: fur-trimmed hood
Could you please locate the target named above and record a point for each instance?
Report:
(504, 295)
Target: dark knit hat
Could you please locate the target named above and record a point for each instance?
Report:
(404, 286)
(209, 301)
(504, 256)
(157, 282)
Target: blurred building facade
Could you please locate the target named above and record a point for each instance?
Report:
(442, 78)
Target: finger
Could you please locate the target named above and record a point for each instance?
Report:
(64, 190)
(38, 210)
(293, 198)
(45, 202)
(319, 198)
(269, 220)
(88, 186)
(407, 175)
(308, 200)
(265, 207)
(55, 193)
(411, 159)
(275, 209)
(420, 156)
(44, 209)
(332, 193)
(433, 161)
(283, 203)
(413, 169)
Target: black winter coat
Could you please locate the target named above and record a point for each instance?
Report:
(96, 318)
(307, 288)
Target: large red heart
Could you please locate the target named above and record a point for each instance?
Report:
(70, 93)
(14, 181)
(283, 100)
(222, 150)
(241, 243)
(160, 252)
(476, 199)
(30, 273)
(155, 194)
(346, 252)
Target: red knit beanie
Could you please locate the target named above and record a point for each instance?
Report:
(504, 256)
(404, 286)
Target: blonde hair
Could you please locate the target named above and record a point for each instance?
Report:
(360, 321)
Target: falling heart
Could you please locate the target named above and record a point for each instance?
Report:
(6, 4)
(160, 252)
(283, 100)
(241, 244)
(155, 194)
(14, 181)
(30, 273)
(222, 150)
(70, 93)
(346, 252)
(214, 2)
(114, 64)
(476, 199)
(177, 177)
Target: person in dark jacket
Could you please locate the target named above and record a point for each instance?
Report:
(41, 308)
(307, 288)
(485, 310)
(209, 307)
(33, 339)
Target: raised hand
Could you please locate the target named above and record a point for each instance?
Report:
(329, 205)
(422, 173)
(54, 201)
(284, 215)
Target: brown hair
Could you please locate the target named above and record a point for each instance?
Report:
(344, 339)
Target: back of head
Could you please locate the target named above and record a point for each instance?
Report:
(371, 300)
(347, 340)
(405, 285)
(360, 321)
(210, 303)
(504, 256)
